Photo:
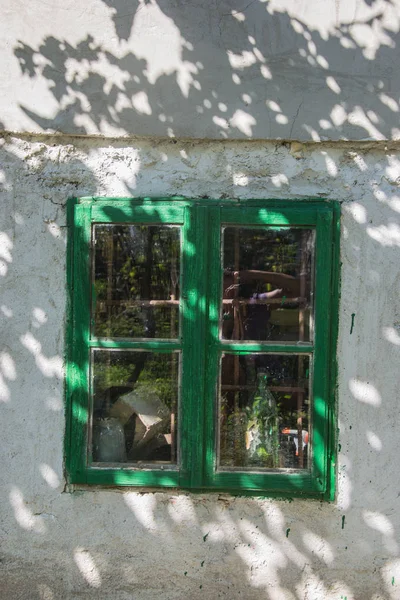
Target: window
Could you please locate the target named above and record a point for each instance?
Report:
(201, 345)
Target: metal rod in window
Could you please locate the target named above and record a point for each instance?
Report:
(236, 336)
(144, 303)
(272, 388)
(110, 261)
(282, 302)
(173, 301)
(234, 302)
(300, 394)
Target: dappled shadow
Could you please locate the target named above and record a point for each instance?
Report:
(259, 72)
(241, 70)
(123, 543)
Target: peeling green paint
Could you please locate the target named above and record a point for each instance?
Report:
(343, 521)
(287, 532)
(205, 537)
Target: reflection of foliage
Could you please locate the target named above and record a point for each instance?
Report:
(118, 368)
(135, 263)
(263, 422)
(266, 249)
(233, 443)
(157, 374)
(113, 375)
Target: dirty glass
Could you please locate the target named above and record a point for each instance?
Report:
(134, 406)
(267, 284)
(136, 277)
(264, 411)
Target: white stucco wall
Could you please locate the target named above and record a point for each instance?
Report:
(110, 544)
(276, 69)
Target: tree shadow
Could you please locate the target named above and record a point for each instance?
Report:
(253, 73)
(122, 544)
(97, 543)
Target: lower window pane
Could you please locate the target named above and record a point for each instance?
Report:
(134, 407)
(264, 411)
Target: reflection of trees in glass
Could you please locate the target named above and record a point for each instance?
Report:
(136, 270)
(139, 389)
(263, 425)
(276, 250)
(133, 266)
(119, 370)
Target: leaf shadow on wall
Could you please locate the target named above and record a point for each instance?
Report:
(258, 74)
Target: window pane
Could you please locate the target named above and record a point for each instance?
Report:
(267, 284)
(264, 411)
(135, 406)
(136, 281)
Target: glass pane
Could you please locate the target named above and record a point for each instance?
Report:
(264, 411)
(267, 284)
(136, 281)
(135, 406)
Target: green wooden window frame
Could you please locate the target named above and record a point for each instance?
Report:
(200, 296)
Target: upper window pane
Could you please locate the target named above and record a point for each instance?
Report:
(267, 284)
(136, 277)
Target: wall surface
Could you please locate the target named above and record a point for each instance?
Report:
(120, 545)
(276, 69)
(208, 83)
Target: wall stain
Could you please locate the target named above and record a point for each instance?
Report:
(343, 521)
(352, 322)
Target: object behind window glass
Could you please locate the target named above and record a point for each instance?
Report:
(267, 284)
(135, 406)
(264, 411)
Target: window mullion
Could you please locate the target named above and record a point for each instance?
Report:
(78, 364)
(213, 344)
(146, 344)
(239, 347)
(322, 347)
(194, 305)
